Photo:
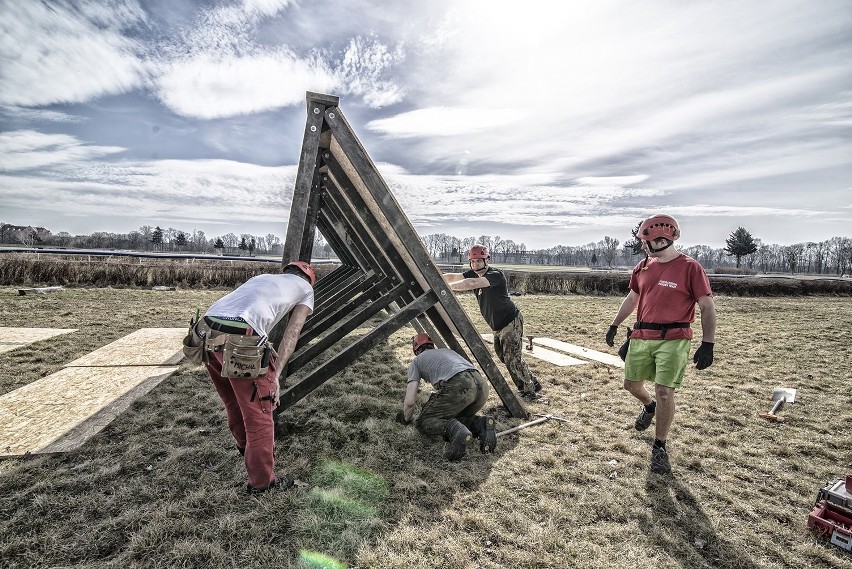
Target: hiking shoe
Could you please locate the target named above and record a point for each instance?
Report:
(487, 434)
(643, 420)
(529, 395)
(282, 482)
(457, 436)
(660, 460)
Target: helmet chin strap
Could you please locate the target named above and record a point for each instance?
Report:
(669, 243)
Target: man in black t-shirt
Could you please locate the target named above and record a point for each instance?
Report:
(502, 315)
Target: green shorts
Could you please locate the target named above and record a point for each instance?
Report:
(661, 361)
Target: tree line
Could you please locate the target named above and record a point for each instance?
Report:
(154, 238)
(742, 252)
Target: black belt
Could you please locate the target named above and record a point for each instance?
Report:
(655, 326)
(225, 329)
(664, 327)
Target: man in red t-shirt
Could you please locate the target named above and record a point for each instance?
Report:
(664, 289)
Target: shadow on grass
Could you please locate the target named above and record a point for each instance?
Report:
(678, 525)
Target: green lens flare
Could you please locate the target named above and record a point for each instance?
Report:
(317, 560)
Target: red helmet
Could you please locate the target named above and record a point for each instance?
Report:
(657, 226)
(421, 340)
(306, 269)
(478, 252)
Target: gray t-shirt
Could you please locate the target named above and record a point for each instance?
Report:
(436, 365)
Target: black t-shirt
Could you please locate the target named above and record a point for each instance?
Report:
(494, 302)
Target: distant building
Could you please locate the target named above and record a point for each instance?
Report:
(20, 234)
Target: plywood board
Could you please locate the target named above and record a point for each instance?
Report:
(544, 354)
(11, 338)
(42, 290)
(580, 351)
(63, 410)
(144, 347)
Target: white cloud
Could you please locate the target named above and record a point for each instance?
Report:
(442, 122)
(28, 149)
(613, 180)
(207, 86)
(361, 72)
(511, 200)
(219, 69)
(764, 162)
(206, 191)
(266, 7)
(35, 115)
(51, 55)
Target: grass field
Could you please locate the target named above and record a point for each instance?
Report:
(162, 485)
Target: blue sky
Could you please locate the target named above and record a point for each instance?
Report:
(542, 122)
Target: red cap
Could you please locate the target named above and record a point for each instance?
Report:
(306, 269)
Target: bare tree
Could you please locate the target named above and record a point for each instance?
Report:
(147, 231)
(792, 256)
(199, 240)
(27, 236)
(609, 249)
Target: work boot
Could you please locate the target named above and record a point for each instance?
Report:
(660, 460)
(282, 482)
(486, 433)
(457, 437)
(643, 420)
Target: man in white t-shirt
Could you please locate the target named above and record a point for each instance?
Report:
(253, 309)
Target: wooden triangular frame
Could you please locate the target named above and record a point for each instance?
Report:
(385, 268)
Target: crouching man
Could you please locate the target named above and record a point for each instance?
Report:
(459, 392)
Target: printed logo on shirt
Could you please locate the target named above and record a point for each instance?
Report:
(669, 284)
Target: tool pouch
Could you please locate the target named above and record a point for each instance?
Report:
(622, 351)
(193, 345)
(243, 358)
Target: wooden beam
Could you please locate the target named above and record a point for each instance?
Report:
(316, 106)
(330, 368)
(361, 313)
(355, 161)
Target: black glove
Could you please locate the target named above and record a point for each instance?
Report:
(400, 418)
(610, 335)
(703, 357)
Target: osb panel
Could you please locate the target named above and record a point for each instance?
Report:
(61, 411)
(144, 347)
(11, 338)
(580, 351)
(549, 356)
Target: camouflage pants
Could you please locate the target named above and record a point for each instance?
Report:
(460, 397)
(508, 344)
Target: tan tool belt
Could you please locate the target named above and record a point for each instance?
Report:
(193, 343)
(243, 357)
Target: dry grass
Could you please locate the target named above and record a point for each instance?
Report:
(161, 486)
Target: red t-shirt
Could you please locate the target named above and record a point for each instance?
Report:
(668, 293)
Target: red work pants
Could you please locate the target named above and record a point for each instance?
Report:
(249, 404)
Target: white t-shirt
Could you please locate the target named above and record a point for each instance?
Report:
(264, 300)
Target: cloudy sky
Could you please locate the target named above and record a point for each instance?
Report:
(542, 122)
